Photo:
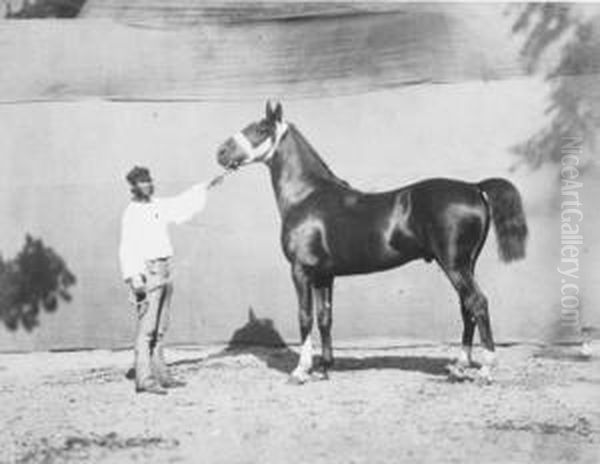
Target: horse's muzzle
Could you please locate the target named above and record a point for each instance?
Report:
(224, 158)
(226, 155)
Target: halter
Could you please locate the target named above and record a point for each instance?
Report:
(264, 151)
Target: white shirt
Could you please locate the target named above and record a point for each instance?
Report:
(144, 227)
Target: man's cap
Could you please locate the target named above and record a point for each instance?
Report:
(138, 174)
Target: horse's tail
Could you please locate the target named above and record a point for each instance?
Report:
(508, 217)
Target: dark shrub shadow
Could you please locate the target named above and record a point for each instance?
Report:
(36, 279)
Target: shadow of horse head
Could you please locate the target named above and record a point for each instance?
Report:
(257, 337)
(256, 332)
(260, 338)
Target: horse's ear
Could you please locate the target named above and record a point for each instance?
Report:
(269, 111)
(278, 112)
(251, 315)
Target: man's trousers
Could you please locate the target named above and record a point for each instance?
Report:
(153, 320)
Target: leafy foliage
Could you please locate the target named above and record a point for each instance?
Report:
(37, 278)
(574, 109)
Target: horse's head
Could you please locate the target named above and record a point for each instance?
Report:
(258, 141)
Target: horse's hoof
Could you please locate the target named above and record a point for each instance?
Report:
(484, 376)
(484, 381)
(319, 376)
(294, 379)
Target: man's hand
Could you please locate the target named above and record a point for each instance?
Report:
(138, 286)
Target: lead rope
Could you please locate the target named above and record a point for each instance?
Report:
(219, 178)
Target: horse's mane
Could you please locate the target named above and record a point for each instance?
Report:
(318, 159)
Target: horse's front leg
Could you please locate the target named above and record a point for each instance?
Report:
(323, 304)
(305, 316)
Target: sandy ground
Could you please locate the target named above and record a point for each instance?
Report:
(383, 404)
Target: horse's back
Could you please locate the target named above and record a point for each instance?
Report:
(441, 199)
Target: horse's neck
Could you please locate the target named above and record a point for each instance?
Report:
(297, 171)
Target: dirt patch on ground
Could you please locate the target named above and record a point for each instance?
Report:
(383, 404)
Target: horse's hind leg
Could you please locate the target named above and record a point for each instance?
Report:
(469, 322)
(323, 297)
(465, 359)
(305, 317)
(475, 312)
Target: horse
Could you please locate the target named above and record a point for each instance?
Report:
(330, 229)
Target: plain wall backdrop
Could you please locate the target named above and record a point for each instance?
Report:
(62, 169)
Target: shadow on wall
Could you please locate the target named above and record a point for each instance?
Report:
(37, 278)
(256, 332)
(574, 107)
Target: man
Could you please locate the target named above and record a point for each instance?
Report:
(145, 254)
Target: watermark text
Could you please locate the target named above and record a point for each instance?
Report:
(571, 235)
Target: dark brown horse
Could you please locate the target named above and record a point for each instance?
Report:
(331, 229)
